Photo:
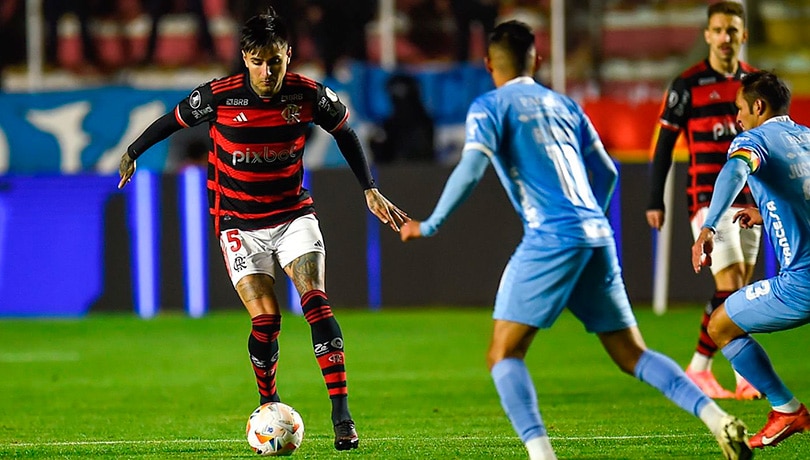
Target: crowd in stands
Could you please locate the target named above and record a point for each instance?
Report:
(102, 36)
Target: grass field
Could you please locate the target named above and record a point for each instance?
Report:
(117, 387)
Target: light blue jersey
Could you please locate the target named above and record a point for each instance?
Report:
(780, 183)
(775, 160)
(543, 149)
(559, 179)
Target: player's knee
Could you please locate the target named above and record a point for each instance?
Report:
(720, 328)
(496, 355)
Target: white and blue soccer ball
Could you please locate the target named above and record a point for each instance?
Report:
(275, 429)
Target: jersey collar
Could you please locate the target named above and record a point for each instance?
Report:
(522, 79)
(779, 118)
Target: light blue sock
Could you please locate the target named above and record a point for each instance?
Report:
(518, 397)
(750, 360)
(664, 374)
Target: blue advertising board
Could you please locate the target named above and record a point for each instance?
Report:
(79, 131)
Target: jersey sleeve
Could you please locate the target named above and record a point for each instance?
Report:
(198, 107)
(604, 174)
(676, 110)
(330, 113)
(481, 129)
(746, 148)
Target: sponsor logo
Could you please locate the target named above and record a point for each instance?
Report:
(236, 101)
(331, 94)
(292, 97)
(796, 139)
(318, 244)
(767, 440)
(714, 96)
(292, 113)
(724, 129)
(195, 100)
(327, 106)
(706, 81)
(258, 362)
(798, 170)
(321, 349)
(263, 155)
(779, 232)
(337, 343)
(241, 118)
(197, 114)
(672, 99)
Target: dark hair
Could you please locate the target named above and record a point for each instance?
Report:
(264, 30)
(768, 87)
(729, 7)
(516, 38)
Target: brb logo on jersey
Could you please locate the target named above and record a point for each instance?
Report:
(292, 113)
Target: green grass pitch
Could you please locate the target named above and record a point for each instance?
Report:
(118, 387)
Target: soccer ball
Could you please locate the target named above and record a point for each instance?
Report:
(275, 429)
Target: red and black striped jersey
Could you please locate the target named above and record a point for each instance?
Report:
(700, 102)
(255, 165)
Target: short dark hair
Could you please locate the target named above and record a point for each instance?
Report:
(516, 38)
(264, 30)
(768, 87)
(728, 7)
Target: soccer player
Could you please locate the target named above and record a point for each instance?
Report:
(773, 156)
(544, 149)
(258, 122)
(700, 102)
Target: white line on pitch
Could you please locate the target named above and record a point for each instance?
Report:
(391, 438)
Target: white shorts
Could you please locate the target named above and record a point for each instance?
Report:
(248, 252)
(732, 244)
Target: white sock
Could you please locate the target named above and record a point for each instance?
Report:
(792, 406)
(700, 363)
(540, 449)
(712, 415)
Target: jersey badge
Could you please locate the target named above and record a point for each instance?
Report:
(195, 99)
(292, 113)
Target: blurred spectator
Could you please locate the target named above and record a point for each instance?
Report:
(52, 12)
(407, 134)
(12, 34)
(468, 12)
(156, 9)
(431, 28)
(339, 29)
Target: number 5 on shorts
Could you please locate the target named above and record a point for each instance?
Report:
(236, 243)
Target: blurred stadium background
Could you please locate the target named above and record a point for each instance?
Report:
(69, 111)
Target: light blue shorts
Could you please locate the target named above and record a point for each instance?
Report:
(540, 281)
(773, 304)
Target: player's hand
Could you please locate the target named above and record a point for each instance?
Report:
(410, 231)
(655, 218)
(125, 169)
(385, 210)
(702, 249)
(748, 217)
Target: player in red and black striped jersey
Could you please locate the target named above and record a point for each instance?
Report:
(258, 121)
(700, 103)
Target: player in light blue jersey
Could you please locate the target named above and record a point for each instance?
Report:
(773, 156)
(559, 179)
